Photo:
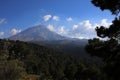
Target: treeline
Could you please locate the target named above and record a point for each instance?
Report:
(27, 61)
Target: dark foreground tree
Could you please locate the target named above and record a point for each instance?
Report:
(109, 50)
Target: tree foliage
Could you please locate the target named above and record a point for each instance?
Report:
(108, 50)
(111, 5)
(28, 61)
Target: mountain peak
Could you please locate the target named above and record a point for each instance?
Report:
(37, 33)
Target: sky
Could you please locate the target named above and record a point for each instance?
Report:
(71, 18)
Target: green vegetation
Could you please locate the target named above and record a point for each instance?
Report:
(27, 61)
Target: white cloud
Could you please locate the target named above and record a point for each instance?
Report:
(47, 17)
(50, 27)
(83, 30)
(105, 23)
(86, 29)
(1, 33)
(69, 19)
(14, 31)
(75, 27)
(3, 21)
(56, 18)
(61, 30)
(86, 24)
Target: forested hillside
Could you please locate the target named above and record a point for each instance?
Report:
(27, 61)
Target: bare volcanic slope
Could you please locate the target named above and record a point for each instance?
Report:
(37, 33)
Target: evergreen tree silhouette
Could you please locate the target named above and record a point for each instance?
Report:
(109, 50)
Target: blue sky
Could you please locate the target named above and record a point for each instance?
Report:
(73, 18)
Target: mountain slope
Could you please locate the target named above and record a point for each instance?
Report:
(37, 33)
(43, 36)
